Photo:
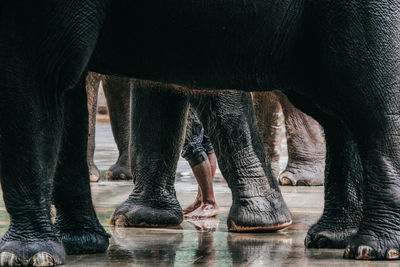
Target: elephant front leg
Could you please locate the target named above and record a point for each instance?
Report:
(92, 89)
(29, 138)
(118, 96)
(257, 205)
(76, 222)
(31, 121)
(157, 128)
(343, 190)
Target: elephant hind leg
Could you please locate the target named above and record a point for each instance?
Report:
(76, 222)
(118, 96)
(343, 189)
(378, 235)
(270, 123)
(366, 98)
(306, 147)
(343, 198)
(92, 89)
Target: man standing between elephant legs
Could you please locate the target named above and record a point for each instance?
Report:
(199, 152)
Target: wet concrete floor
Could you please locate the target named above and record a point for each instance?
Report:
(203, 242)
(207, 242)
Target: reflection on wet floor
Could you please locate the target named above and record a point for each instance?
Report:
(208, 243)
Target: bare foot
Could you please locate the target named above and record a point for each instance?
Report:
(193, 206)
(205, 210)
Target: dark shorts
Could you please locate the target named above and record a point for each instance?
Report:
(197, 144)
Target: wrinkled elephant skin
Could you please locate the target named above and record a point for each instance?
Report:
(335, 60)
(305, 141)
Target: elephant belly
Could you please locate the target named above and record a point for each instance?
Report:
(216, 44)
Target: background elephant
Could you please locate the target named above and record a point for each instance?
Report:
(305, 141)
(336, 60)
(119, 108)
(304, 137)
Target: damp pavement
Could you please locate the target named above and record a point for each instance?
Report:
(202, 242)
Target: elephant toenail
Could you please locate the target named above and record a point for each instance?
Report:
(9, 259)
(120, 221)
(286, 181)
(42, 259)
(364, 253)
(392, 254)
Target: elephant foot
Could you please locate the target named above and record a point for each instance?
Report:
(377, 240)
(40, 252)
(303, 173)
(85, 236)
(156, 209)
(85, 241)
(118, 172)
(94, 173)
(330, 235)
(259, 214)
(373, 247)
(205, 210)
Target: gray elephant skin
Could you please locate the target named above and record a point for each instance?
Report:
(338, 61)
(273, 111)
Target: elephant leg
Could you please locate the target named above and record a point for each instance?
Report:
(157, 134)
(118, 96)
(343, 190)
(32, 86)
(30, 134)
(257, 205)
(306, 147)
(270, 122)
(92, 89)
(378, 235)
(76, 222)
(343, 180)
(364, 93)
